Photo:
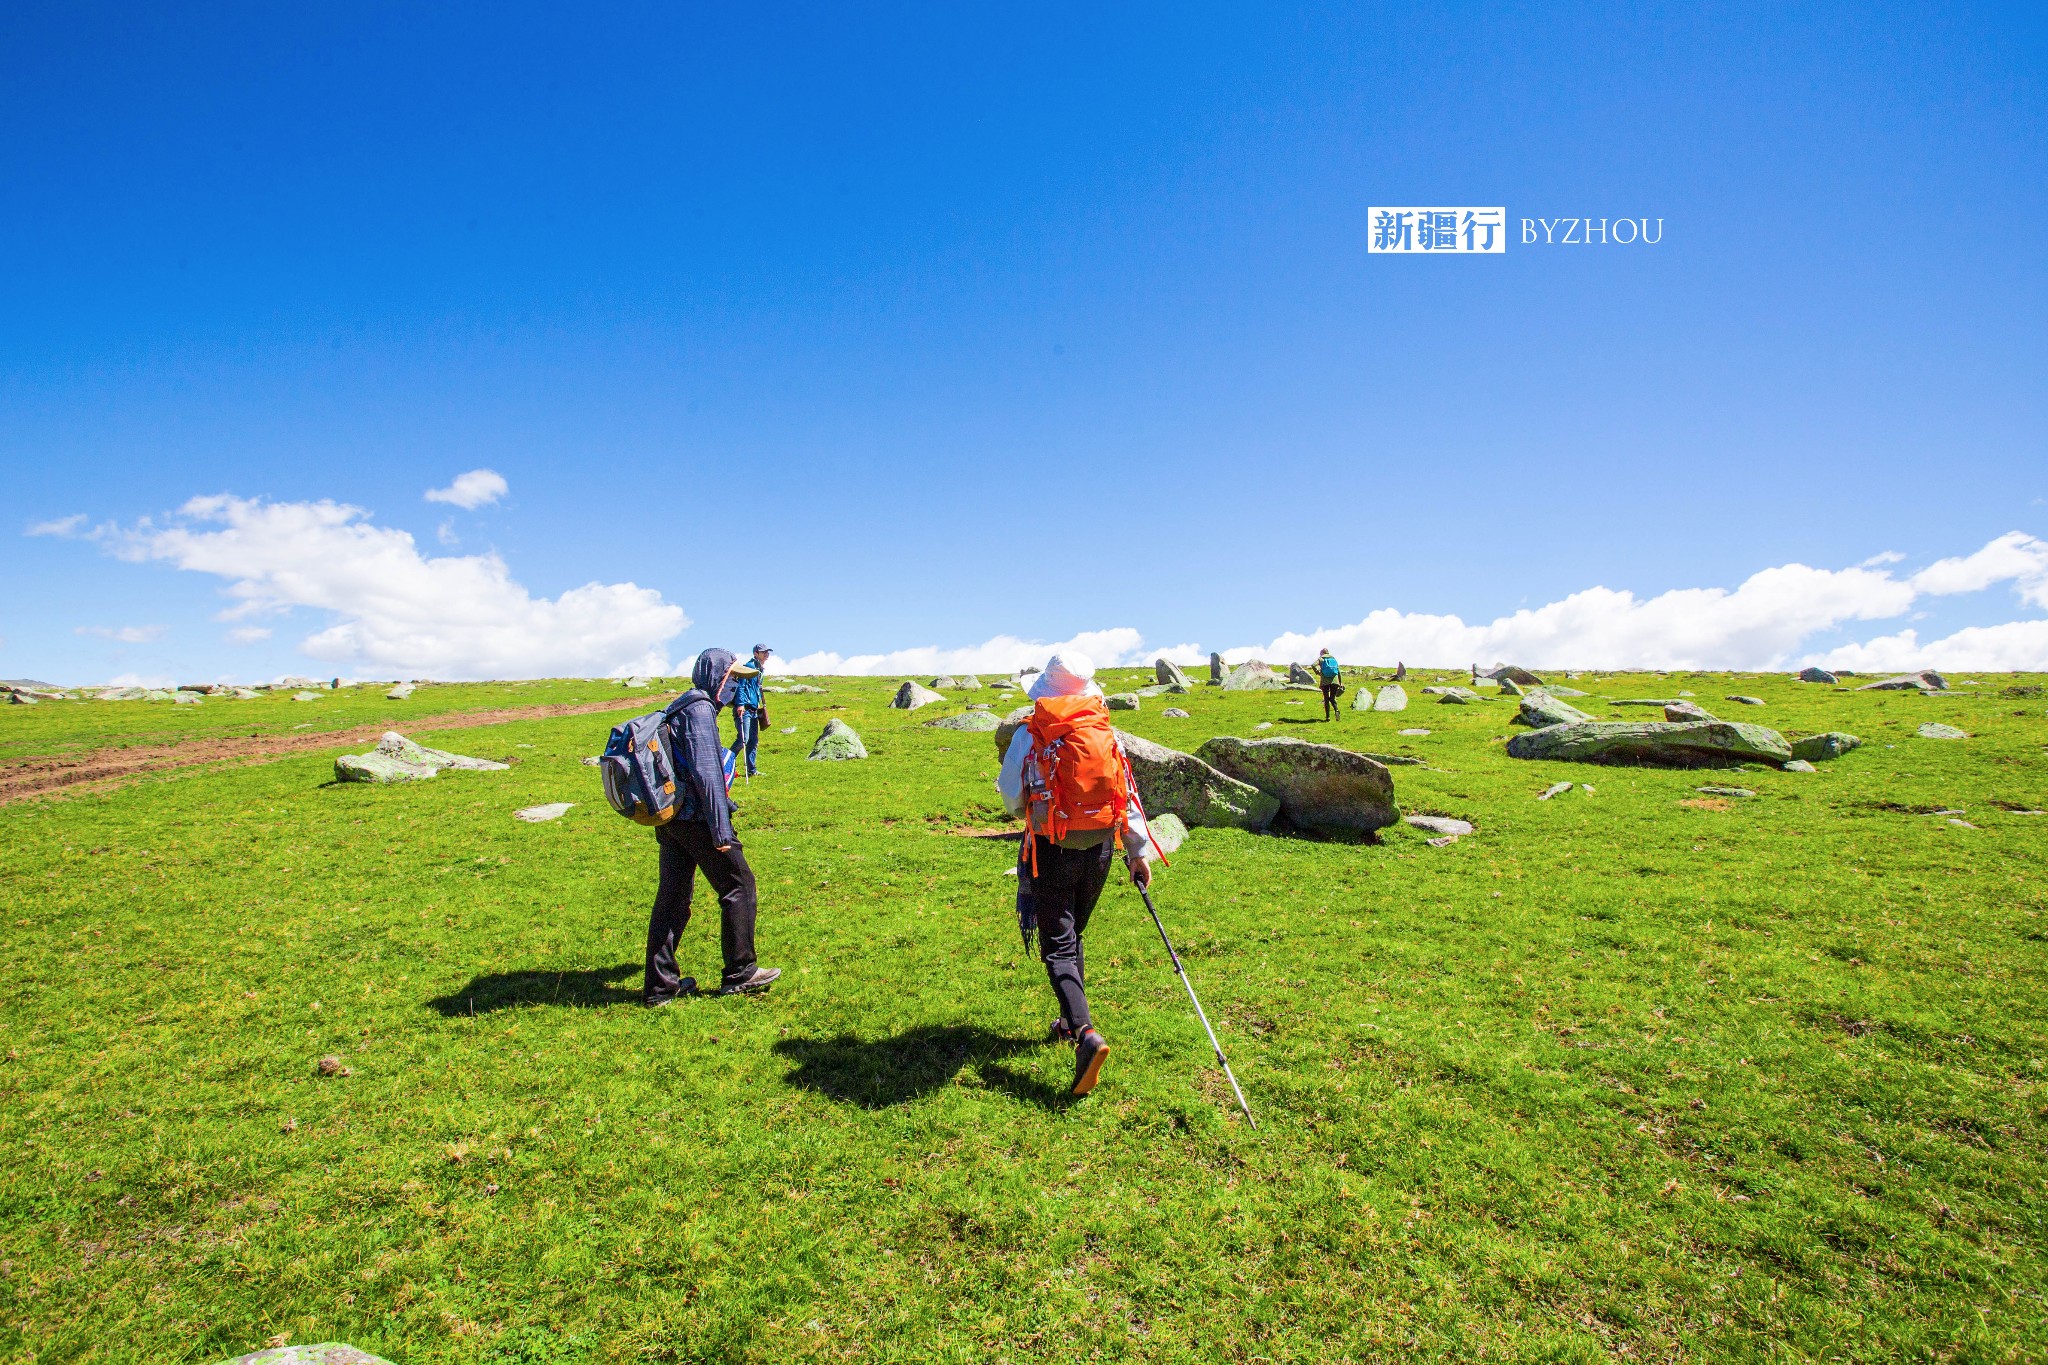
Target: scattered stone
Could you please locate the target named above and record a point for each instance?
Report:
(787, 730)
(1174, 783)
(1817, 675)
(1320, 786)
(1679, 744)
(1301, 674)
(1252, 676)
(838, 741)
(1395, 760)
(398, 759)
(1685, 710)
(1521, 677)
(330, 1066)
(1687, 694)
(1725, 791)
(1008, 728)
(245, 694)
(638, 682)
(796, 688)
(594, 759)
(1361, 700)
(1817, 748)
(1539, 709)
(323, 1353)
(305, 696)
(1934, 729)
(186, 698)
(979, 706)
(1454, 696)
(1123, 701)
(1510, 688)
(1168, 833)
(553, 810)
(967, 682)
(1443, 841)
(1153, 690)
(1165, 671)
(124, 694)
(1745, 701)
(1438, 824)
(1416, 732)
(22, 699)
(1174, 713)
(1554, 789)
(1798, 765)
(910, 696)
(1927, 681)
(1554, 690)
(1215, 669)
(1962, 824)
(1391, 698)
(1646, 701)
(942, 681)
(979, 721)
(400, 692)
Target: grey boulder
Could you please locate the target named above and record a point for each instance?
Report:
(1252, 676)
(1539, 709)
(398, 759)
(1165, 671)
(1301, 673)
(1740, 700)
(1174, 713)
(1391, 698)
(980, 721)
(1007, 727)
(1361, 700)
(1925, 681)
(1123, 701)
(944, 680)
(838, 741)
(400, 692)
(1817, 675)
(1685, 710)
(1438, 824)
(1934, 729)
(1215, 668)
(1818, 748)
(1168, 833)
(1521, 677)
(967, 682)
(910, 696)
(537, 815)
(1173, 783)
(1672, 744)
(1319, 786)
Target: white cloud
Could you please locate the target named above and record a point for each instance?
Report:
(393, 608)
(1765, 622)
(62, 526)
(127, 635)
(477, 488)
(142, 680)
(2014, 556)
(249, 635)
(445, 533)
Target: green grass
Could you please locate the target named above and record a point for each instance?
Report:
(1614, 1077)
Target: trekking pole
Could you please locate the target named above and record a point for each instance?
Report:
(1181, 972)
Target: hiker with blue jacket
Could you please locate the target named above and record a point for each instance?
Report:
(749, 712)
(1330, 677)
(701, 838)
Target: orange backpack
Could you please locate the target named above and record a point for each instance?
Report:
(1076, 777)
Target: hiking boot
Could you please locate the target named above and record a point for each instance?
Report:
(688, 986)
(1059, 1032)
(754, 982)
(1089, 1055)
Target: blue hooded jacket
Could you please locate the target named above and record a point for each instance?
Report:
(694, 716)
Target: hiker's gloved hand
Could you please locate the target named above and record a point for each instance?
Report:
(1141, 871)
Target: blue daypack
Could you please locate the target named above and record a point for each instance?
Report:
(642, 769)
(1330, 668)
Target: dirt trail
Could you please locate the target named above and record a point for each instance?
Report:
(24, 777)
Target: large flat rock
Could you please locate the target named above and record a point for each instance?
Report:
(1539, 709)
(1664, 744)
(1319, 786)
(1171, 782)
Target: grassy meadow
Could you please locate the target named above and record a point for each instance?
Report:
(1628, 1074)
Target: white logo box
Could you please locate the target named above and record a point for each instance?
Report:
(1437, 230)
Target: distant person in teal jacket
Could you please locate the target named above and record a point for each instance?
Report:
(749, 712)
(1331, 675)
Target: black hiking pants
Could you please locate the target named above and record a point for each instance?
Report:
(1068, 884)
(686, 848)
(1332, 691)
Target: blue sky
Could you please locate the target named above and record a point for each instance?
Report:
(861, 331)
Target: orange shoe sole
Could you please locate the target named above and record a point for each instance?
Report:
(1085, 1082)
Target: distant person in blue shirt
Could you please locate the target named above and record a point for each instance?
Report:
(1331, 676)
(749, 713)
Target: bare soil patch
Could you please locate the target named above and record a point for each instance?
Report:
(25, 777)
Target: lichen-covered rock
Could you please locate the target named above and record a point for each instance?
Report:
(1361, 700)
(1008, 726)
(1934, 729)
(1319, 786)
(1123, 701)
(1685, 710)
(1302, 674)
(380, 768)
(796, 688)
(321, 1353)
(540, 815)
(967, 682)
(124, 694)
(838, 741)
(1926, 681)
(910, 696)
(1252, 676)
(1799, 765)
(1817, 675)
(400, 692)
(1392, 697)
(1539, 709)
(1171, 782)
(978, 721)
(1510, 688)
(1671, 744)
(1174, 713)
(1165, 671)
(1168, 833)
(1215, 669)
(1554, 690)
(1522, 677)
(1741, 700)
(305, 696)
(944, 680)
(1438, 824)
(1819, 748)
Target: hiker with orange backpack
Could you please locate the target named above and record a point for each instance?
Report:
(1065, 773)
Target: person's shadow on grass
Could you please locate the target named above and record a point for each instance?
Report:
(510, 990)
(882, 1072)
